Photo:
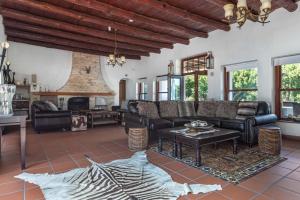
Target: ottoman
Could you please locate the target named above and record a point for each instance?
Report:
(270, 140)
(79, 123)
(137, 139)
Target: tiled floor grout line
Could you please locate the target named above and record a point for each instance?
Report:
(282, 177)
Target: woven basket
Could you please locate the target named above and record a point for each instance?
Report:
(137, 139)
(269, 140)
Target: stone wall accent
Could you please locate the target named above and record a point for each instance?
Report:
(80, 80)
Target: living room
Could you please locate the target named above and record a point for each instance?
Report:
(209, 89)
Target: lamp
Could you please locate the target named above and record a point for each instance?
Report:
(209, 60)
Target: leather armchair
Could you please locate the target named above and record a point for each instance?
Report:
(45, 119)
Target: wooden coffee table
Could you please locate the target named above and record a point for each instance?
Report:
(196, 142)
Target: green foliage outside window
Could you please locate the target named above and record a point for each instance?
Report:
(244, 79)
(290, 79)
(189, 88)
(203, 87)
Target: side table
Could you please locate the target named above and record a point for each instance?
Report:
(19, 120)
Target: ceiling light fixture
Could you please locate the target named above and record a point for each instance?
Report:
(243, 12)
(115, 59)
(131, 20)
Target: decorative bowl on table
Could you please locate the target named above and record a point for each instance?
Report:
(198, 125)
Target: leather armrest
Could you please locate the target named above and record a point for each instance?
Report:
(52, 114)
(265, 119)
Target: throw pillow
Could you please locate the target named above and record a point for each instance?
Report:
(148, 109)
(186, 109)
(227, 109)
(52, 106)
(168, 109)
(246, 109)
(41, 106)
(207, 108)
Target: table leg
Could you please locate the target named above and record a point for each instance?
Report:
(175, 153)
(23, 145)
(160, 144)
(235, 142)
(180, 150)
(198, 155)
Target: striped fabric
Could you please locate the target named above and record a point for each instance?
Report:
(129, 179)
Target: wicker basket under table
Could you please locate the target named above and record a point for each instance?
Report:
(270, 140)
(137, 139)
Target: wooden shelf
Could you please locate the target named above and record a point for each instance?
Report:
(72, 94)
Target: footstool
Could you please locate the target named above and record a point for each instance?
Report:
(137, 139)
(79, 123)
(270, 140)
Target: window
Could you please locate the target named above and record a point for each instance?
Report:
(195, 77)
(142, 89)
(162, 90)
(168, 87)
(240, 82)
(287, 83)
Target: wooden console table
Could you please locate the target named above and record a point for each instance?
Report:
(102, 117)
(19, 120)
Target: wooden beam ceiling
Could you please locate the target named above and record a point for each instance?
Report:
(68, 48)
(81, 25)
(36, 7)
(68, 42)
(113, 11)
(43, 21)
(8, 23)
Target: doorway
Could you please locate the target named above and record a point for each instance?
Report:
(122, 91)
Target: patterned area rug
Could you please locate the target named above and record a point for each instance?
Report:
(222, 163)
(127, 179)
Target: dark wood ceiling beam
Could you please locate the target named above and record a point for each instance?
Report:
(67, 48)
(80, 18)
(114, 11)
(77, 37)
(42, 21)
(289, 5)
(67, 42)
(172, 10)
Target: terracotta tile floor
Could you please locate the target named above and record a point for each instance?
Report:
(61, 151)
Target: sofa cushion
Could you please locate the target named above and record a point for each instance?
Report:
(52, 106)
(207, 108)
(227, 109)
(233, 124)
(155, 124)
(246, 109)
(168, 109)
(148, 109)
(186, 109)
(178, 121)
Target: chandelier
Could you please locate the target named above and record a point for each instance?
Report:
(114, 58)
(243, 12)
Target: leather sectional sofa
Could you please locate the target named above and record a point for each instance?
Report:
(246, 117)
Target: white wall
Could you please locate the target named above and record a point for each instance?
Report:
(52, 66)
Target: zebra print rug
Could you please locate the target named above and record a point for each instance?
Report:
(127, 179)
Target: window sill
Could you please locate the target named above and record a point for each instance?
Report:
(288, 121)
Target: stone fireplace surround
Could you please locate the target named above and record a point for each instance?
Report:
(85, 80)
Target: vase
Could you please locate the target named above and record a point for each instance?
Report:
(7, 93)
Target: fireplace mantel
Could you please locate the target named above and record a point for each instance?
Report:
(72, 94)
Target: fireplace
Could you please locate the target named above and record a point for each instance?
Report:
(78, 103)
